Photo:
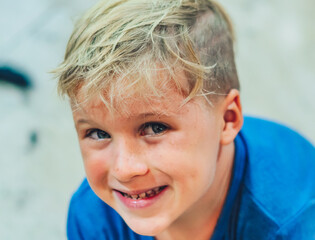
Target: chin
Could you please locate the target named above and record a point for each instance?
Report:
(146, 227)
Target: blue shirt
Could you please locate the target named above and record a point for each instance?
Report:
(271, 194)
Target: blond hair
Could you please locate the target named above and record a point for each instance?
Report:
(119, 47)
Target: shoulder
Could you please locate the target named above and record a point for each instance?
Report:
(272, 135)
(269, 140)
(84, 201)
(90, 218)
(279, 175)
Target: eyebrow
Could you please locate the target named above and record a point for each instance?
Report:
(148, 114)
(129, 117)
(81, 121)
(84, 121)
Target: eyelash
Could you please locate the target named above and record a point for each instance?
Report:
(152, 124)
(97, 131)
(161, 128)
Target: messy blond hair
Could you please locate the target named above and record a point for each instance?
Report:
(119, 47)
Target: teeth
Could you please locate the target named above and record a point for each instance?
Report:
(142, 195)
(134, 196)
(147, 194)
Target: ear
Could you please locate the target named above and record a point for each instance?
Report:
(232, 117)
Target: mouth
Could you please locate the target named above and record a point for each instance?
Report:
(141, 199)
(143, 195)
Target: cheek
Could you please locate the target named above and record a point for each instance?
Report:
(96, 165)
(201, 152)
(189, 157)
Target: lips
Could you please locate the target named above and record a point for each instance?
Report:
(141, 198)
(143, 195)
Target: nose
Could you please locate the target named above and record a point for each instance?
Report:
(129, 162)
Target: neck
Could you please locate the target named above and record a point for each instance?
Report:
(199, 223)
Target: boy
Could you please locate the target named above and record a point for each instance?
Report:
(155, 98)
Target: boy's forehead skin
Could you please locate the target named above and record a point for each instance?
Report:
(138, 104)
(134, 108)
(156, 84)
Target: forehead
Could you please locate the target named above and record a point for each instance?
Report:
(136, 106)
(128, 95)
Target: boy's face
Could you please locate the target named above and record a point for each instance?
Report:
(155, 165)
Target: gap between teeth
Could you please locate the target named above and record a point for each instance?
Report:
(147, 194)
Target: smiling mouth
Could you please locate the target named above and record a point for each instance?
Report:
(148, 194)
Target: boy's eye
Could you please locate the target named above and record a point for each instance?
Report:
(153, 128)
(97, 134)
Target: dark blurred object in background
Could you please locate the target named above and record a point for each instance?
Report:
(14, 77)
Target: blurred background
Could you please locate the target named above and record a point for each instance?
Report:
(40, 160)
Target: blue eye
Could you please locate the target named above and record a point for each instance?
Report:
(97, 134)
(153, 128)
